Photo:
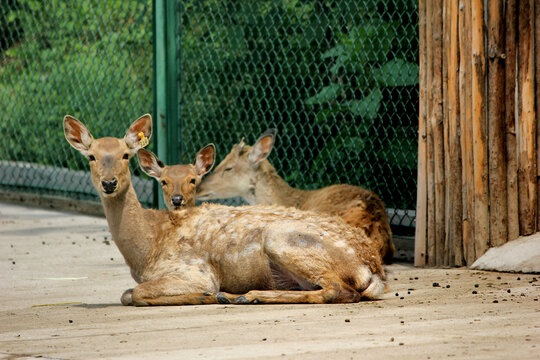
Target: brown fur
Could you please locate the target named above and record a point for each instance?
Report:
(254, 179)
(178, 180)
(213, 253)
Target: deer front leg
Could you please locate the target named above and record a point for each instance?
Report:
(172, 290)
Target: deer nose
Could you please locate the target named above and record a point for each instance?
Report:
(109, 185)
(177, 200)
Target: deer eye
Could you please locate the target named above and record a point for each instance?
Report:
(163, 183)
(126, 156)
(228, 169)
(192, 181)
(91, 157)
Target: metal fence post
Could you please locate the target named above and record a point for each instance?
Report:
(166, 120)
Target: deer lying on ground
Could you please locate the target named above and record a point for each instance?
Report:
(178, 181)
(218, 254)
(245, 172)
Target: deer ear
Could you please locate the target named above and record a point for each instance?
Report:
(149, 163)
(77, 134)
(205, 159)
(139, 133)
(262, 147)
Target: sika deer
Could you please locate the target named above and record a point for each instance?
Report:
(245, 172)
(207, 254)
(178, 181)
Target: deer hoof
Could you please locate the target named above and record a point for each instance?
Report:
(126, 299)
(222, 298)
(241, 300)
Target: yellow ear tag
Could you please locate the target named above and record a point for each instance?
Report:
(143, 140)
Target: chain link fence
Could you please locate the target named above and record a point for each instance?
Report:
(91, 59)
(337, 79)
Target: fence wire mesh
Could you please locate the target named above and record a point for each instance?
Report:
(337, 79)
(91, 59)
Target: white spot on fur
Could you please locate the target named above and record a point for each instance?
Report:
(340, 243)
(351, 251)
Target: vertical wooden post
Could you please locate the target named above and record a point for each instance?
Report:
(430, 251)
(454, 204)
(481, 215)
(444, 255)
(465, 92)
(537, 98)
(437, 126)
(498, 206)
(510, 23)
(421, 204)
(479, 144)
(526, 120)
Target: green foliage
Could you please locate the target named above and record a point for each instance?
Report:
(338, 79)
(91, 59)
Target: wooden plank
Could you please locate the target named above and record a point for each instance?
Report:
(498, 200)
(454, 206)
(430, 260)
(527, 121)
(481, 214)
(510, 20)
(537, 99)
(421, 197)
(443, 257)
(437, 126)
(465, 91)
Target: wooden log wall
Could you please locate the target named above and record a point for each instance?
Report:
(478, 139)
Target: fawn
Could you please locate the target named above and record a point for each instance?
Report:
(178, 181)
(247, 173)
(218, 254)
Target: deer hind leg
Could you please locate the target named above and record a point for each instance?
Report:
(333, 292)
(299, 282)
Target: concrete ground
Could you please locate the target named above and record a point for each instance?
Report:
(61, 278)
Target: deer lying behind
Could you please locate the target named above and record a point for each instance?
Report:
(217, 254)
(246, 172)
(178, 181)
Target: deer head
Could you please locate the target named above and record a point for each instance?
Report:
(109, 157)
(178, 182)
(234, 176)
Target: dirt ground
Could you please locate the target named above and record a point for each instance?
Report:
(61, 278)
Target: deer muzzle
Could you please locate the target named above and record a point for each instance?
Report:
(177, 200)
(109, 186)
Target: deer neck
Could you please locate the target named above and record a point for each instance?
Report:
(270, 188)
(130, 228)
